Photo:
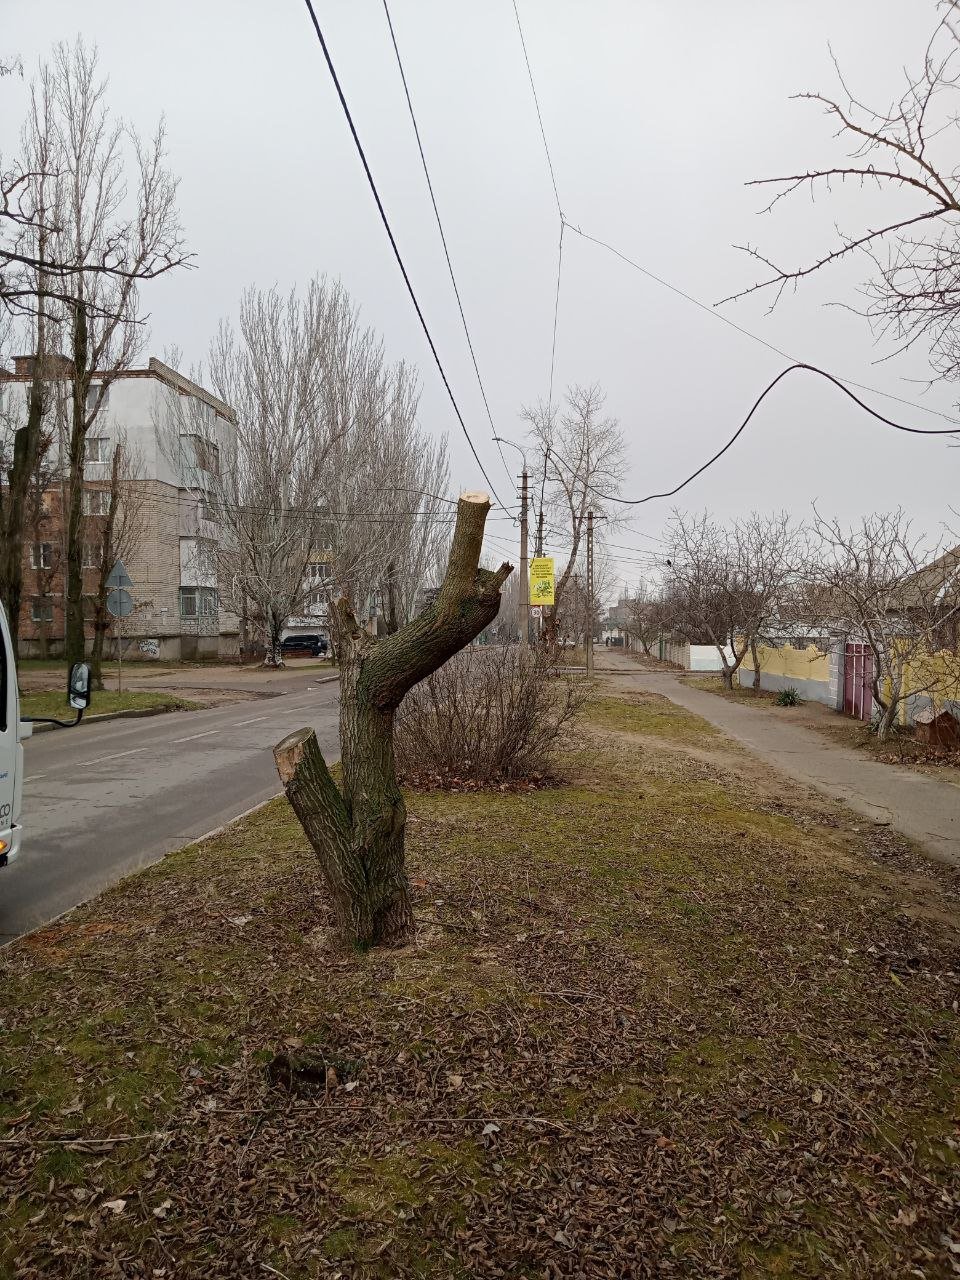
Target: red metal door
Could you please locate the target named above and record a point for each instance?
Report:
(858, 681)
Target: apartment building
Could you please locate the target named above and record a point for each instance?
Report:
(178, 612)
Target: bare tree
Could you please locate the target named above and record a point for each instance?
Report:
(27, 439)
(292, 377)
(904, 150)
(880, 581)
(581, 457)
(95, 222)
(111, 537)
(728, 585)
(385, 492)
(357, 832)
(323, 484)
(649, 617)
(38, 267)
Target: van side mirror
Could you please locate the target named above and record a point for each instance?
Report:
(78, 686)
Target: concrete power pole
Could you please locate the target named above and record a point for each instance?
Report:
(524, 618)
(589, 637)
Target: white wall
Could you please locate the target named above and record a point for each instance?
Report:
(704, 657)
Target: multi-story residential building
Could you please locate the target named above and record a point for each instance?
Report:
(313, 619)
(173, 560)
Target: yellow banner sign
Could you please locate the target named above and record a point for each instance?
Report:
(541, 580)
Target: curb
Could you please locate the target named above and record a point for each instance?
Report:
(132, 713)
(141, 713)
(224, 826)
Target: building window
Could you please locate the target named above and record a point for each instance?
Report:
(208, 456)
(316, 604)
(96, 502)
(93, 395)
(317, 573)
(41, 555)
(41, 610)
(198, 602)
(91, 555)
(96, 449)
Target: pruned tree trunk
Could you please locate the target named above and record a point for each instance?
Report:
(74, 633)
(755, 656)
(357, 832)
(28, 446)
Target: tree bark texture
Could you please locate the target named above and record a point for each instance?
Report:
(74, 640)
(27, 449)
(357, 831)
(101, 615)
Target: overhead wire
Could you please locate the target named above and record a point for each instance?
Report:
(393, 243)
(536, 103)
(809, 368)
(443, 237)
(556, 193)
(747, 333)
(843, 384)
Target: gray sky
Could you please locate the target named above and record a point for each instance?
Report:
(656, 112)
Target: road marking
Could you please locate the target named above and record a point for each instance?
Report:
(253, 721)
(194, 736)
(100, 759)
(35, 777)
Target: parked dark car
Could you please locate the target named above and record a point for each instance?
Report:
(315, 645)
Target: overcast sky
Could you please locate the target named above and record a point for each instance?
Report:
(657, 113)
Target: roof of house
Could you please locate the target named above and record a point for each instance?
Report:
(939, 579)
(61, 366)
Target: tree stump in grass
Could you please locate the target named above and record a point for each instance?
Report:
(357, 832)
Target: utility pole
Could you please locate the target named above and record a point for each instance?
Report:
(589, 638)
(539, 550)
(524, 618)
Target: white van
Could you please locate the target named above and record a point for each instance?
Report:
(13, 731)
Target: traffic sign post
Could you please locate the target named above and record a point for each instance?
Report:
(120, 604)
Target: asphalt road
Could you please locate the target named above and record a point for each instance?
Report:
(103, 800)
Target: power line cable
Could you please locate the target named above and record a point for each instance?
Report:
(556, 315)
(443, 238)
(536, 103)
(556, 192)
(393, 243)
(747, 333)
(897, 426)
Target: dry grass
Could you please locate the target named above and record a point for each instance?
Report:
(656, 1024)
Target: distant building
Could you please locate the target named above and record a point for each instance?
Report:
(178, 610)
(313, 618)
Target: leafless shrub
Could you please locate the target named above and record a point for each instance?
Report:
(491, 714)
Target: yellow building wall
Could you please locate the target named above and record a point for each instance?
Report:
(797, 664)
(935, 675)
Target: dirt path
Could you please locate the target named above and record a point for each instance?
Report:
(924, 809)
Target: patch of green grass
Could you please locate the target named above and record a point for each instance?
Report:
(650, 714)
(53, 703)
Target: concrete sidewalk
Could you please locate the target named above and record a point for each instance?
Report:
(926, 810)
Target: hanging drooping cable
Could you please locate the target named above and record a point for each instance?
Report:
(747, 333)
(393, 243)
(443, 237)
(809, 368)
